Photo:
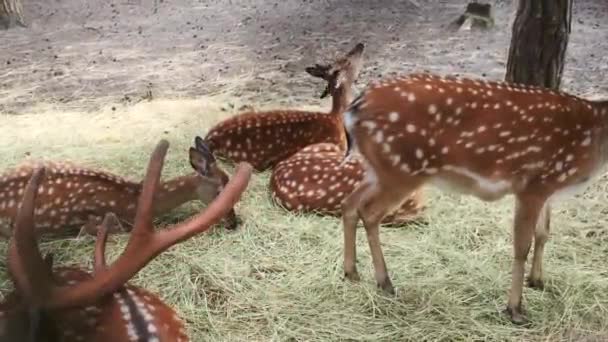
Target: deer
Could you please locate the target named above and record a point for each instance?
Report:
(75, 197)
(315, 180)
(265, 138)
(70, 304)
(485, 139)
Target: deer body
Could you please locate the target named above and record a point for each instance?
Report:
(265, 138)
(73, 196)
(488, 139)
(315, 180)
(69, 304)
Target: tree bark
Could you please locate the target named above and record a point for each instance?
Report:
(11, 14)
(539, 41)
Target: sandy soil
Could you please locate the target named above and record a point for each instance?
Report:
(86, 54)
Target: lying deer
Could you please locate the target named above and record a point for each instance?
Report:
(69, 304)
(315, 180)
(265, 138)
(73, 197)
(487, 139)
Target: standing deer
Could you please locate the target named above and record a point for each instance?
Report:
(265, 138)
(72, 196)
(69, 304)
(488, 139)
(315, 180)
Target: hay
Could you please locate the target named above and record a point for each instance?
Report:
(279, 276)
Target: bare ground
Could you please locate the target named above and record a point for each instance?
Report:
(85, 54)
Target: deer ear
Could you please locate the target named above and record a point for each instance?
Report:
(357, 50)
(318, 70)
(202, 147)
(325, 92)
(199, 161)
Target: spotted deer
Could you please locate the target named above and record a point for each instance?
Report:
(487, 139)
(265, 138)
(70, 304)
(315, 180)
(73, 197)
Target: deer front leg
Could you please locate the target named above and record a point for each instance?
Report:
(350, 218)
(527, 212)
(541, 235)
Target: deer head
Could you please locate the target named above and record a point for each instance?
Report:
(213, 178)
(69, 304)
(341, 74)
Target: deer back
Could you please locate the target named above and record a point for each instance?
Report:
(317, 180)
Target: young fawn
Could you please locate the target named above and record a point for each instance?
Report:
(72, 197)
(69, 304)
(488, 139)
(315, 180)
(265, 138)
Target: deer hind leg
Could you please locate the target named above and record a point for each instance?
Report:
(541, 235)
(382, 200)
(350, 218)
(528, 209)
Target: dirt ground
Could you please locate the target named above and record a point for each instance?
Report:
(87, 54)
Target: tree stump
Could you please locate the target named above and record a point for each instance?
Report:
(539, 41)
(477, 15)
(11, 14)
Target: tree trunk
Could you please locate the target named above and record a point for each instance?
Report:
(11, 14)
(539, 41)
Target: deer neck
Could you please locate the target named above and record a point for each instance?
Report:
(341, 99)
(176, 192)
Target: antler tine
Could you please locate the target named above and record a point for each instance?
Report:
(145, 206)
(29, 269)
(99, 258)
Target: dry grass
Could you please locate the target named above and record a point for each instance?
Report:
(278, 278)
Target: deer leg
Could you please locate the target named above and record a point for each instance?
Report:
(382, 201)
(350, 218)
(527, 212)
(541, 235)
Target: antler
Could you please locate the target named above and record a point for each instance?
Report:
(31, 284)
(26, 263)
(99, 257)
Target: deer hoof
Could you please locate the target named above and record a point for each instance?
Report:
(517, 316)
(538, 284)
(387, 286)
(352, 276)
